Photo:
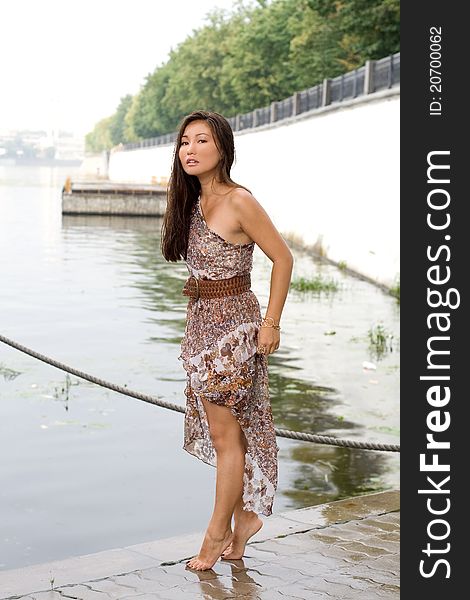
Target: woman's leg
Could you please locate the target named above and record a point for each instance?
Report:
(227, 438)
(247, 523)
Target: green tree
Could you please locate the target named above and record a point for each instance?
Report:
(117, 125)
(370, 29)
(196, 66)
(315, 51)
(256, 68)
(129, 132)
(148, 118)
(100, 138)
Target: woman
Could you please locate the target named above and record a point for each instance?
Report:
(213, 223)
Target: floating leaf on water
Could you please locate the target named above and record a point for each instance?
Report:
(327, 463)
(8, 374)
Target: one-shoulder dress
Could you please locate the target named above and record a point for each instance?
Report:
(219, 355)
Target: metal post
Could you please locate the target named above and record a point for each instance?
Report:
(273, 115)
(237, 123)
(296, 104)
(369, 77)
(390, 71)
(255, 118)
(326, 95)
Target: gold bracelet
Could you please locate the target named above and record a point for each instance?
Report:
(265, 323)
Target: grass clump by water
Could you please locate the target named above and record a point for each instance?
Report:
(395, 291)
(314, 284)
(380, 341)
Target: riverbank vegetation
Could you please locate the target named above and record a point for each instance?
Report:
(315, 284)
(246, 58)
(395, 290)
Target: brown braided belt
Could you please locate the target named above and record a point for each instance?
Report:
(216, 288)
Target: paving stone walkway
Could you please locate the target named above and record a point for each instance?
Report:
(347, 549)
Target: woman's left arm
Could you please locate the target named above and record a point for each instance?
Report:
(255, 222)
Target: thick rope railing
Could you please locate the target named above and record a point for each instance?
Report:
(286, 433)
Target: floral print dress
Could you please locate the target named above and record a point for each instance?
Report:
(219, 355)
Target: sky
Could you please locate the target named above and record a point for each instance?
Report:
(67, 63)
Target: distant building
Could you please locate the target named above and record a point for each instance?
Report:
(40, 144)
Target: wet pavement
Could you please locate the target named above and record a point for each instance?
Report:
(348, 549)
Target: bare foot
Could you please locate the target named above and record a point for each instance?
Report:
(246, 527)
(211, 550)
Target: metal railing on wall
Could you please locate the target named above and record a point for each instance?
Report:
(374, 76)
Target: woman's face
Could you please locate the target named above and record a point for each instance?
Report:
(198, 153)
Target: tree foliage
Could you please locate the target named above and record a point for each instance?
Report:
(369, 29)
(117, 125)
(100, 138)
(250, 56)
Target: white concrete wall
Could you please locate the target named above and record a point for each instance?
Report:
(94, 166)
(329, 181)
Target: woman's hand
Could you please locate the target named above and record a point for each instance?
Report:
(268, 340)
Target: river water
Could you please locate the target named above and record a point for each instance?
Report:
(84, 469)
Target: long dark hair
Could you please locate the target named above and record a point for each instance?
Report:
(183, 189)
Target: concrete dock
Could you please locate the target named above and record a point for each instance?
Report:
(109, 198)
(348, 549)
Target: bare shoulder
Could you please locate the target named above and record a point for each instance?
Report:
(243, 202)
(255, 222)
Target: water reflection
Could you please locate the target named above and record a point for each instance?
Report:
(233, 580)
(326, 473)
